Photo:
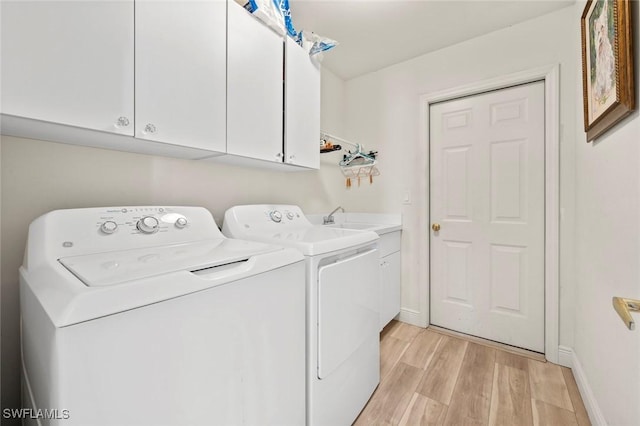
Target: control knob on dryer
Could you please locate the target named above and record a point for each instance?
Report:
(148, 225)
(275, 216)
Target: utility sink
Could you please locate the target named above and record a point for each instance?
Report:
(353, 225)
(380, 223)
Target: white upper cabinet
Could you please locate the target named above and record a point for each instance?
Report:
(69, 62)
(302, 107)
(180, 72)
(254, 87)
(182, 78)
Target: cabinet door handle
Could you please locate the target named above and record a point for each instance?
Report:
(291, 158)
(122, 122)
(150, 129)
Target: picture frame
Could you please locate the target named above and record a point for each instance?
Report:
(607, 65)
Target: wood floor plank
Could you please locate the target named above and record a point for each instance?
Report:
(422, 348)
(578, 406)
(547, 414)
(390, 328)
(386, 331)
(392, 398)
(442, 372)
(510, 397)
(423, 411)
(512, 360)
(437, 383)
(491, 343)
(547, 384)
(471, 399)
(404, 331)
(391, 349)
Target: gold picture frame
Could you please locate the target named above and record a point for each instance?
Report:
(607, 65)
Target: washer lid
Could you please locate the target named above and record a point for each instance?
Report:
(314, 240)
(110, 268)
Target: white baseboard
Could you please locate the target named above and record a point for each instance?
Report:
(412, 317)
(589, 399)
(565, 356)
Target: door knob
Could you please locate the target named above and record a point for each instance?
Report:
(624, 307)
(435, 227)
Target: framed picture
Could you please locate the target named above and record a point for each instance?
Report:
(607, 65)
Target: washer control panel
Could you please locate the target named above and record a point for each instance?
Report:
(141, 220)
(93, 230)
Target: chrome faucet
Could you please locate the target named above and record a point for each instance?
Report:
(328, 220)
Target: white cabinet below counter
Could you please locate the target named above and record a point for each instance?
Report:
(390, 276)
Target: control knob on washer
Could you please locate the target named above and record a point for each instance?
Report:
(276, 216)
(148, 225)
(108, 227)
(181, 222)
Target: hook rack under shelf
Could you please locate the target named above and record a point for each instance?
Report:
(354, 165)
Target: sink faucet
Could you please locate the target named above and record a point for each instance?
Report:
(328, 220)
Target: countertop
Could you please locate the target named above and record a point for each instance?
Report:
(380, 223)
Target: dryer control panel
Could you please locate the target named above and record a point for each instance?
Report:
(268, 217)
(283, 214)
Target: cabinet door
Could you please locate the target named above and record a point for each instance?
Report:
(302, 108)
(69, 62)
(389, 288)
(254, 87)
(180, 72)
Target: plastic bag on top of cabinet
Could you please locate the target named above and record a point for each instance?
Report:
(286, 13)
(275, 13)
(314, 43)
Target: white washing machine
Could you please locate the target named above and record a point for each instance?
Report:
(343, 350)
(150, 316)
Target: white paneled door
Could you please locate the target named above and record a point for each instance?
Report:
(487, 215)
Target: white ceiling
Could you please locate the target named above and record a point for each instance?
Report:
(376, 34)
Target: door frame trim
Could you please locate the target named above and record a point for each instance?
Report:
(550, 74)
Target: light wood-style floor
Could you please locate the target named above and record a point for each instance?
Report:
(428, 378)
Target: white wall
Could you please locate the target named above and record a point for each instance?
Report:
(38, 176)
(383, 111)
(608, 256)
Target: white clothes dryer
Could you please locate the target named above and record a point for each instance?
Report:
(343, 348)
(150, 316)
